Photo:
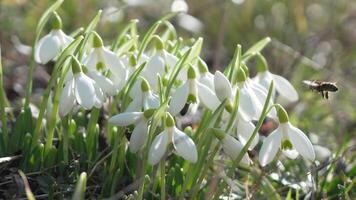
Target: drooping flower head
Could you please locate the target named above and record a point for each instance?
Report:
(53, 43)
(291, 140)
(182, 144)
(79, 89)
(102, 59)
(282, 85)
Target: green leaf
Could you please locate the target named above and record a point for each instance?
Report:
(87, 33)
(131, 26)
(257, 47)
(23, 124)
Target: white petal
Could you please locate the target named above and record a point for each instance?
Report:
(47, 49)
(285, 88)
(139, 136)
(292, 153)
(158, 148)
(126, 118)
(301, 142)
(154, 66)
(270, 147)
(104, 83)
(179, 99)
(207, 79)
(223, 89)
(171, 59)
(84, 91)
(233, 147)
(91, 60)
(150, 101)
(99, 96)
(67, 99)
(244, 132)
(184, 146)
(246, 104)
(134, 106)
(115, 65)
(207, 97)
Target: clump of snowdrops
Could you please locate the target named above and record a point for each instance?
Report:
(143, 117)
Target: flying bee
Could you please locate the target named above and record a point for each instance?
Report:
(322, 86)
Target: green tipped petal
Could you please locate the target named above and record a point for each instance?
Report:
(56, 21)
(191, 73)
(97, 41)
(241, 76)
(145, 86)
(76, 66)
(262, 65)
(169, 120)
(282, 114)
(219, 134)
(287, 145)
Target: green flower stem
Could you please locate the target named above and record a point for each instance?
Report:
(65, 138)
(53, 118)
(5, 136)
(163, 179)
(249, 142)
(156, 120)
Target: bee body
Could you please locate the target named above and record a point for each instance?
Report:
(322, 87)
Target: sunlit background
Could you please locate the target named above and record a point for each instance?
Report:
(310, 40)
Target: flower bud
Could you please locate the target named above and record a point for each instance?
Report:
(148, 113)
(202, 66)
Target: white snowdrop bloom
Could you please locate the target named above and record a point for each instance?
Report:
(182, 144)
(53, 43)
(222, 86)
(142, 97)
(206, 78)
(190, 92)
(244, 131)
(157, 64)
(105, 84)
(290, 139)
(80, 89)
(231, 146)
(100, 58)
(282, 85)
(249, 106)
(140, 132)
(259, 91)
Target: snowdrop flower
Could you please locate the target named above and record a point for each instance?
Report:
(53, 43)
(79, 89)
(192, 92)
(282, 85)
(140, 132)
(105, 84)
(142, 97)
(182, 144)
(101, 59)
(290, 139)
(231, 146)
(249, 106)
(206, 78)
(244, 131)
(157, 64)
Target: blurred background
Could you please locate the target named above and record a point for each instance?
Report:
(310, 40)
